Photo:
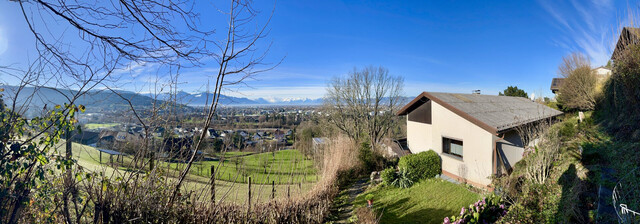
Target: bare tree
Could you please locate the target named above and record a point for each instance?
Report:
(578, 90)
(531, 132)
(363, 104)
(166, 34)
(238, 60)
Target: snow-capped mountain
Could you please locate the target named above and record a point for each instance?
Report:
(199, 99)
(289, 101)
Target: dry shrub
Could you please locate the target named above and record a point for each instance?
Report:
(541, 162)
(144, 198)
(367, 216)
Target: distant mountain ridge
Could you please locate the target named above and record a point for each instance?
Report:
(105, 100)
(95, 100)
(203, 98)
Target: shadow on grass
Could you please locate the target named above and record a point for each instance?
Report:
(396, 212)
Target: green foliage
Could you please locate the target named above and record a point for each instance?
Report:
(422, 165)
(403, 180)
(568, 128)
(571, 188)
(26, 152)
(514, 91)
(388, 176)
(371, 160)
(368, 197)
(620, 103)
(487, 210)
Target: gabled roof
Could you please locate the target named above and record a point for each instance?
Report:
(556, 83)
(628, 36)
(492, 113)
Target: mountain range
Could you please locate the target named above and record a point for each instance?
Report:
(101, 100)
(201, 99)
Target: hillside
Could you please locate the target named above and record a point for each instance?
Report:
(95, 101)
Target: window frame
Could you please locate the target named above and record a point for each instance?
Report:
(448, 151)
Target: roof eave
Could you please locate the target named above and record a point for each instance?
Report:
(407, 108)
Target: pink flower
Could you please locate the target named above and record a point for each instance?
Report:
(446, 220)
(462, 211)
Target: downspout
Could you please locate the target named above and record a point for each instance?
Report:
(495, 153)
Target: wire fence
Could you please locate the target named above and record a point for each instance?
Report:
(626, 198)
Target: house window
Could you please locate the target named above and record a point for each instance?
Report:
(452, 147)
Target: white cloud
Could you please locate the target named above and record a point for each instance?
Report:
(587, 31)
(551, 9)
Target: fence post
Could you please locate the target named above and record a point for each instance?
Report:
(213, 184)
(288, 191)
(273, 189)
(249, 197)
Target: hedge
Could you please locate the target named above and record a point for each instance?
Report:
(422, 165)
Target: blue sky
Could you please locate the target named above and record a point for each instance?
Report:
(449, 46)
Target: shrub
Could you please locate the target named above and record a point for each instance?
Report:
(366, 216)
(403, 180)
(371, 160)
(368, 197)
(621, 101)
(422, 165)
(388, 176)
(487, 210)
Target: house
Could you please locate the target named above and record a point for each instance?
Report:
(396, 148)
(474, 134)
(211, 133)
(278, 134)
(602, 73)
(107, 138)
(87, 138)
(555, 84)
(177, 147)
(244, 134)
(628, 36)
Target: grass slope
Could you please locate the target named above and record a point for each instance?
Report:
(283, 167)
(428, 201)
(89, 158)
(96, 126)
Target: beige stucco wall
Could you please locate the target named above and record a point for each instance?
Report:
(510, 147)
(476, 164)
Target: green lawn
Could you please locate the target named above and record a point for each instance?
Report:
(233, 153)
(428, 201)
(88, 157)
(283, 167)
(96, 126)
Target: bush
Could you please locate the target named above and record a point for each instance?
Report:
(365, 216)
(422, 165)
(403, 180)
(621, 102)
(371, 160)
(368, 197)
(388, 176)
(487, 210)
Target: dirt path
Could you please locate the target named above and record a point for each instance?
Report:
(343, 206)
